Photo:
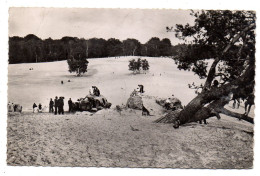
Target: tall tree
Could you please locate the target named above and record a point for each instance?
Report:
(165, 47)
(114, 47)
(229, 38)
(153, 47)
(131, 47)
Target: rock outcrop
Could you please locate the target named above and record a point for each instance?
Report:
(135, 102)
(170, 103)
(91, 103)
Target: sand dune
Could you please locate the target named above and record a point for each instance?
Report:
(111, 139)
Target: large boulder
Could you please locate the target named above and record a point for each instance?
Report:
(170, 103)
(91, 103)
(135, 102)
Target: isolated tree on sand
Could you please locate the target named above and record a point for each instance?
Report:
(77, 64)
(229, 38)
(145, 65)
(137, 65)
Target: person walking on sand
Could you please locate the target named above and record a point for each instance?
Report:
(60, 107)
(70, 105)
(51, 106)
(56, 105)
(34, 107)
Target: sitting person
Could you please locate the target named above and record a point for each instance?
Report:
(168, 103)
(134, 93)
(39, 107)
(96, 91)
(91, 90)
(34, 107)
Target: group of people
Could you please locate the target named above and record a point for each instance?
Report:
(56, 106)
(14, 107)
(37, 108)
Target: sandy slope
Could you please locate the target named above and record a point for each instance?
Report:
(108, 138)
(111, 75)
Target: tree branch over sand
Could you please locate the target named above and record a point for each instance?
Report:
(217, 28)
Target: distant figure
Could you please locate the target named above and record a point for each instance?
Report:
(39, 107)
(61, 82)
(141, 88)
(34, 107)
(134, 93)
(215, 83)
(249, 102)
(168, 103)
(61, 105)
(51, 106)
(68, 80)
(96, 91)
(56, 105)
(10, 107)
(236, 98)
(145, 111)
(91, 90)
(70, 105)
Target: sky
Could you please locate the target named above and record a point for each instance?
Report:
(141, 24)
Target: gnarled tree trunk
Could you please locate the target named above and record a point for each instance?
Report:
(215, 99)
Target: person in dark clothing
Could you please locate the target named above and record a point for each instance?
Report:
(39, 107)
(51, 106)
(249, 102)
(61, 104)
(34, 107)
(215, 83)
(96, 91)
(56, 105)
(141, 87)
(70, 105)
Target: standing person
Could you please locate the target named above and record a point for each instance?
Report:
(70, 105)
(56, 105)
(141, 88)
(249, 102)
(60, 107)
(34, 107)
(51, 106)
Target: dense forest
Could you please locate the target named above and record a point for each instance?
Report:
(31, 48)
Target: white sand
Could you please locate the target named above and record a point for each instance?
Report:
(106, 138)
(39, 85)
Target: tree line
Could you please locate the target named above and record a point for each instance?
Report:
(31, 49)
